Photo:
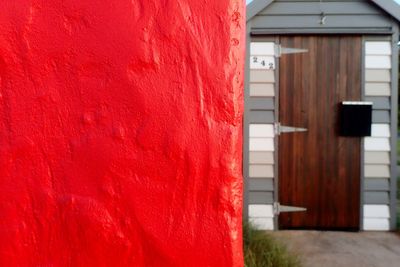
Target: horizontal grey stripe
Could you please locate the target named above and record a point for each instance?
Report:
(261, 157)
(380, 102)
(333, 21)
(277, 1)
(376, 198)
(380, 116)
(314, 7)
(376, 184)
(262, 76)
(383, 31)
(261, 117)
(261, 185)
(265, 103)
(261, 197)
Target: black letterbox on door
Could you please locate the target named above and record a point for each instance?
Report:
(355, 118)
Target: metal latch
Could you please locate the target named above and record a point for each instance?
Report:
(287, 129)
(278, 208)
(279, 50)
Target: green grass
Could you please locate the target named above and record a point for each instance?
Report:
(262, 250)
(398, 203)
(398, 185)
(398, 151)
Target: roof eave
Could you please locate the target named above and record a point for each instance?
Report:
(255, 7)
(389, 7)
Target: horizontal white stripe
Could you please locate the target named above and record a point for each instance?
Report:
(262, 49)
(261, 130)
(359, 103)
(373, 224)
(376, 144)
(261, 144)
(380, 130)
(376, 211)
(378, 62)
(260, 211)
(378, 48)
(262, 223)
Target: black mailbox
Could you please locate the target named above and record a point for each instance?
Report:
(355, 118)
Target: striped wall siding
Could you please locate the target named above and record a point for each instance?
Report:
(377, 147)
(261, 134)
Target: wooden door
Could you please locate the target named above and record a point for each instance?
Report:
(319, 169)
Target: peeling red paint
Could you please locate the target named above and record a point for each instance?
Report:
(120, 133)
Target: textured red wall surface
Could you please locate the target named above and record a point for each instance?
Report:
(120, 133)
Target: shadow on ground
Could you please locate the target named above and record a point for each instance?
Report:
(343, 249)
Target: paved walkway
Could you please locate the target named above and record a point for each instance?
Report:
(341, 249)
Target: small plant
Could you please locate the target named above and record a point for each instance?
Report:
(398, 148)
(262, 250)
(398, 203)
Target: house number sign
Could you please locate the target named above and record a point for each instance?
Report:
(262, 62)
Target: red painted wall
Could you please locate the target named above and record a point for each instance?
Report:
(120, 133)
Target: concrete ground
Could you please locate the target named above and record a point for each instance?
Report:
(342, 249)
